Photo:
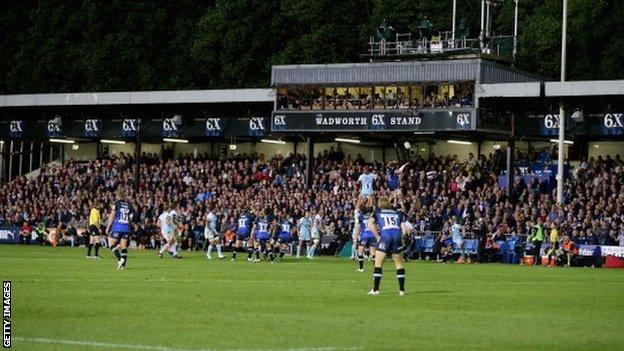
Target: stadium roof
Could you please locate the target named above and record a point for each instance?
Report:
(585, 88)
(139, 97)
(481, 71)
(509, 90)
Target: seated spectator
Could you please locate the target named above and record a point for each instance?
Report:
(42, 234)
(25, 233)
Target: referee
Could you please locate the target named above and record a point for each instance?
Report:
(94, 232)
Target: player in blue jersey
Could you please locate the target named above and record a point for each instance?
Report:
(261, 233)
(388, 227)
(366, 238)
(119, 228)
(243, 235)
(445, 244)
(283, 238)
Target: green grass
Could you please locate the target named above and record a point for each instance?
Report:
(193, 304)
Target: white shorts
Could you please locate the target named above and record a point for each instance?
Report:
(211, 234)
(315, 234)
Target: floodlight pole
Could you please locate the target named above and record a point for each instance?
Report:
(454, 20)
(515, 39)
(561, 110)
(1, 161)
(137, 157)
(487, 18)
(481, 34)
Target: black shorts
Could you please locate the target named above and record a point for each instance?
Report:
(94, 230)
(263, 241)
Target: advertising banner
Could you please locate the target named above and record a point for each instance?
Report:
(9, 235)
(429, 120)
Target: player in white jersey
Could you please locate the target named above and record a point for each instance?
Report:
(304, 228)
(317, 228)
(355, 232)
(458, 241)
(168, 229)
(211, 235)
(366, 181)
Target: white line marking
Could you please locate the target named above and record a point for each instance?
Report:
(163, 348)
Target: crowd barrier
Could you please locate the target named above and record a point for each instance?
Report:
(9, 235)
(511, 251)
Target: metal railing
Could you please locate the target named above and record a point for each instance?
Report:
(403, 44)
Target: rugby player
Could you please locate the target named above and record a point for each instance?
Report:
(284, 237)
(243, 232)
(211, 235)
(304, 232)
(356, 229)
(261, 233)
(458, 241)
(167, 225)
(317, 228)
(366, 237)
(119, 228)
(388, 227)
(366, 180)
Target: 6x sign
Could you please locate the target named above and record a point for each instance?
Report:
(463, 119)
(16, 127)
(129, 125)
(213, 126)
(551, 121)
(614, 120)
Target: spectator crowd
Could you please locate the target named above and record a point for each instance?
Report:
(432, 191)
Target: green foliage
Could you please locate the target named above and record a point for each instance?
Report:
(89, 45)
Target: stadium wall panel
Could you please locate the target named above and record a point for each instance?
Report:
(85, 152)
(605, 148)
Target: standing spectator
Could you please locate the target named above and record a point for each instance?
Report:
(538, 239)
(620, 237)
(479, 230)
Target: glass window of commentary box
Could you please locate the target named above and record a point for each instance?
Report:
(379, 97)
(365, 95)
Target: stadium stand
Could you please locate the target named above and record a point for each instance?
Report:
(434, 190)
